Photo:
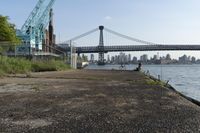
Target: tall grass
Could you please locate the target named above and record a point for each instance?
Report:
(52, 65)
(21, 65)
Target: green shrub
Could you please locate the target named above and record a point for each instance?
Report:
(14, 65)
(52, 65)
(1, 73)
(21, 65)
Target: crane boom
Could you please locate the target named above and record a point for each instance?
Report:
(32, 16)
(32, 32)
(45, 18)
(42, 23)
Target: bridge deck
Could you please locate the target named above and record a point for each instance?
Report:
(116, 48)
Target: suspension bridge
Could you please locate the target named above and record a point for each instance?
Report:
(101, 48)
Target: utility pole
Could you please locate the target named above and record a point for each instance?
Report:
(71, 63)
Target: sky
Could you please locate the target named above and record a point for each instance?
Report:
(158, 21)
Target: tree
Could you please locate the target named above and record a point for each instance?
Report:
(7, 31)
(84, 58)
(8, 38)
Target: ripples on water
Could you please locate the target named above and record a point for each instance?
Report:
(185, 78)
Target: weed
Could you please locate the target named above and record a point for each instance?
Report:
(21, 65)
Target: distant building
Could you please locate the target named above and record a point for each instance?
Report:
(144, 58)
(193, 59)
(155, 57)
(122, 58)
(108, 58)
(112, 59)
(184, 59)
(116, 59)
(129, 58)
(92, 58)
(135, 60)
(197, 61)
(168, 57)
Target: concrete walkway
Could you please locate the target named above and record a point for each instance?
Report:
(91, 101)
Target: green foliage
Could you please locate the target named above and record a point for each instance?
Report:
(21, 65)
(8, 36)
(84, 58)
(14, 65)
(1, 73)
(52, 65)
(154, 82)
(7, 31)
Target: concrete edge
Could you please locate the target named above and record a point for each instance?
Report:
(174, 90)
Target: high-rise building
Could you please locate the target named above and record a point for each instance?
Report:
(135, 59)
(184, 59)
(108, 58)
(92, 58)
(123, 58)
(113, 59)
(193, 59)
(168, 57)
(129, 58)
(155, 57)
(144, 58)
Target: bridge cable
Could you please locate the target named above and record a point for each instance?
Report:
(130, 38)
(81, 36)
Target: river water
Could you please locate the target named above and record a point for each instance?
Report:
(184, 78)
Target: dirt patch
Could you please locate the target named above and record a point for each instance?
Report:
(12, 87)
(33, 123)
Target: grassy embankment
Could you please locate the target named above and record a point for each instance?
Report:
(20, 65)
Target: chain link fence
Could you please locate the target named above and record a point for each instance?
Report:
(12, 49)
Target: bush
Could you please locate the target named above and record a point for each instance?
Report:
(14, 65)
(52, 65)
(21, 65)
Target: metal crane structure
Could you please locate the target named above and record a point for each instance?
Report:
(32, 33)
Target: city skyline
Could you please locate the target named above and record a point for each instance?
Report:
(155, 21)
(145, 57)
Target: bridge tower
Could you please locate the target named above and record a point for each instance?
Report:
(101, 47)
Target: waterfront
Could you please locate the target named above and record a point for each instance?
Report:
(184, 78)
(93, 101)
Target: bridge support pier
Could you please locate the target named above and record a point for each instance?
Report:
(101, 47)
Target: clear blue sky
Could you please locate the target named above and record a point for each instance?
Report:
(159, 21)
